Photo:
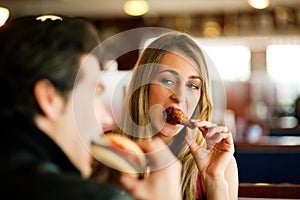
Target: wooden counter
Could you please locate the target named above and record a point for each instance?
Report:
(282, 191)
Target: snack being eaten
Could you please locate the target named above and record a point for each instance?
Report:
(119, 153)
(176, 116)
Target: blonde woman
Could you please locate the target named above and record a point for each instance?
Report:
(172, 72)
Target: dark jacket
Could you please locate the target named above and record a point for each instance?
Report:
(32, 166)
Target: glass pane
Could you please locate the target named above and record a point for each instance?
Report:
(232, 62)
(283, 66)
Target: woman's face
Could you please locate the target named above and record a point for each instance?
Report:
(177, 83)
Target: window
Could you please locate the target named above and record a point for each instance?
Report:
(283, 66)
(232, 62)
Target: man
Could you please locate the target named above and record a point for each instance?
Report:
(48, 79)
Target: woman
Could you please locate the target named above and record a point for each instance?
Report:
(172, 72)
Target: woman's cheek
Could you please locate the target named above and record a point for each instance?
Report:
(156, 116)
(192, 103)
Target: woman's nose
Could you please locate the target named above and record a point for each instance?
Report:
(178, 94)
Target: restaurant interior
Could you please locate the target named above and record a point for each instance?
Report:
(254, 49)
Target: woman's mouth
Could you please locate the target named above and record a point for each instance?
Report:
(172, 115)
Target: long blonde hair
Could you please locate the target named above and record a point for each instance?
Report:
(135, 121)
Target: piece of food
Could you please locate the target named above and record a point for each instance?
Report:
(119, 153)
(176, 116)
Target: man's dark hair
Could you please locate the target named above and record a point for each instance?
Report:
(32, 50)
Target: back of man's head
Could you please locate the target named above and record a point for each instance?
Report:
(32, 50)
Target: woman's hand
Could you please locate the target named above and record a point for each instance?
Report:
(213, 159)
(165, 177)
(219, 150)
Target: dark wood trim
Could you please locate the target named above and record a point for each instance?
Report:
(269, 190)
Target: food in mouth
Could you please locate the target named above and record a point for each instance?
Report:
(175, 115)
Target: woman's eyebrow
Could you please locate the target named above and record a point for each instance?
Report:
(176, 73)
(195, 77)
(170, 71)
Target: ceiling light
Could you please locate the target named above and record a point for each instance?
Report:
(45, 17)
(136, 7)
(211, 29)
(4, 14)
(259, 4)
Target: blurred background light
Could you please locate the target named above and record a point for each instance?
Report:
(4, 14)
(136, 7)
(259, 4)
(45, 17)
(211, 29)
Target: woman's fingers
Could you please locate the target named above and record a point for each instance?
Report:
(217, 129)
(212, 133)
(217, 137)
(203, 126)
(189, 137)
(194, 147)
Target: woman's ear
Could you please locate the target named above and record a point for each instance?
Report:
(48, 99)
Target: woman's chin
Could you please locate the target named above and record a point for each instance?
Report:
(170, 130)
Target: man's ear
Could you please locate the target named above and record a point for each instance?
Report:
(48, 99)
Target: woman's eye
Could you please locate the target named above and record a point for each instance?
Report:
(193, 86)
(166, 81)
